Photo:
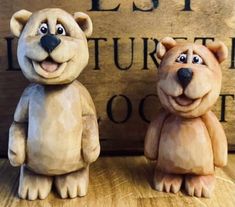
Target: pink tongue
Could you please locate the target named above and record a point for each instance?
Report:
(49, 66)
(183, 100)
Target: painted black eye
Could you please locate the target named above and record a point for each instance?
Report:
(43, 29)
(182, 58)
(197, 59)
(60, 29)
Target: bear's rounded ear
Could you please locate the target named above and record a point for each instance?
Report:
(18, 21)
(164, 45)
(219, 49)
(84, 22)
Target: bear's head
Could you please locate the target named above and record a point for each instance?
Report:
(189, 76)
(52, 47)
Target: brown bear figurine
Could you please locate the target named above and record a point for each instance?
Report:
(186, 138)
(54, 136)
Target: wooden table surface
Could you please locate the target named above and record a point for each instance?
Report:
(122, 181)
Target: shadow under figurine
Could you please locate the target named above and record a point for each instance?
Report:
(54, 136)
(186, 138)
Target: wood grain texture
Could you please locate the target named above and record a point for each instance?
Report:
(122, 181)
(214, 18)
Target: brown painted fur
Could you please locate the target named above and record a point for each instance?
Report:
(186, 138)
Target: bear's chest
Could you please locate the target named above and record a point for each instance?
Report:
(60, 105)
(54, 129)
(55, 117)
(185, 146)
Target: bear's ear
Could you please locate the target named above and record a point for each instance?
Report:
(219, 49)
(84, 22)
(18, 21)
(164, 45)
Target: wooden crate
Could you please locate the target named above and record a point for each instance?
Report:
(122, 68)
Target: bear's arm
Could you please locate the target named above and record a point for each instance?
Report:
(18, 130)
(90, 133)
(153, 135)
(218, 138)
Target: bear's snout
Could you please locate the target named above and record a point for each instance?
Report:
(184, 76)
(49, 42)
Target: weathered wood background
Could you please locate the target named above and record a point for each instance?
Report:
(122, 67)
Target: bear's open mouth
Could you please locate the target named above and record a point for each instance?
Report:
(48, 68)
(183, 100)
(49, 65)
(183, 103)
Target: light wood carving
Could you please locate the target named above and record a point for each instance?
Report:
(54, 135)
(186, 138)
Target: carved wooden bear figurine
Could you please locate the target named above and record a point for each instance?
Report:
(186, 138)
(54, 136)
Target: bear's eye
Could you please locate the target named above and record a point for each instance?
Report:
(60, 29)
(43, 29)
(197, 59)
(182, 58)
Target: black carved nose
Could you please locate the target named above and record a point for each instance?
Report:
(184, 76)
(49, 42)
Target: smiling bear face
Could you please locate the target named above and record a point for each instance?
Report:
(52, 47)
(189, 76)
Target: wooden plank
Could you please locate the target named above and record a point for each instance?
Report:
(122, 181)
(188, 19)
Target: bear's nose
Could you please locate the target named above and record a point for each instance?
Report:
(184, 76)
(49, 42)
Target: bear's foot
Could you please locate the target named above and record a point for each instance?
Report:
(73, 184)
(200, 186)
(33, 186)
(167, 182)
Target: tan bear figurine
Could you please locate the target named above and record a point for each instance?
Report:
(54, 136)
(186, 138)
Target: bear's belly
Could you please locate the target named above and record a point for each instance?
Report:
(185, 147)
(54, 131)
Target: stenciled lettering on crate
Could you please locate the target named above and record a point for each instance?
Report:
(122, 68)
